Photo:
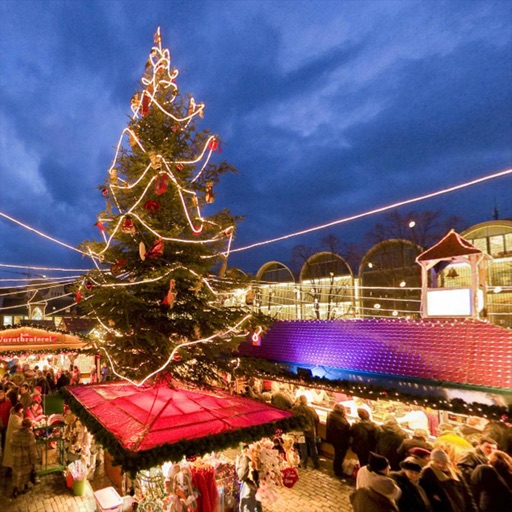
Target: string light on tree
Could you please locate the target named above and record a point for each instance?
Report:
(158, 269)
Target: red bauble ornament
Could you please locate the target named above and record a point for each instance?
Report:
(152, 206)
(78, 296)
(104, 191)
(118, 266)
(213, 145)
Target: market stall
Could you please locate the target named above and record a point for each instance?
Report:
(157, 435)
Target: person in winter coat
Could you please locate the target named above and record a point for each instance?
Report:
(24, 456)
(380, 497)
(248, 482)
(419, 440)
(479, 455)
(389, 438)
(413, 497)
(364, 437)
(15, 419)
(444, 486)
(376, 469)
(502, 463)
(5, 409)
(490, 490)
(338, 434)
(42, 383)
(310, 431)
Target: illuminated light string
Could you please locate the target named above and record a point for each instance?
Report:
(160, 65)
(31, 281)
(8, 217)
(20, 289)
(7, 265)
(30, 301)
(378, 210)
(235, 328)
(344, 220)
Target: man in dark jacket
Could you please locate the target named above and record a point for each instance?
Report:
(310, 431)
(338, 434)
(364, 436)
(419, 439)
(413, 497)
(389, 439)
(479, 455)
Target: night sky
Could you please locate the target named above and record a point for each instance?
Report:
(326, 108)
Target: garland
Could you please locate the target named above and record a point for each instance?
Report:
(132, 462)
(251, 366)
(42, 352)
(35, 325)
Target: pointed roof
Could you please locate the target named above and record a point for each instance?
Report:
(145, 426)
(451, 245)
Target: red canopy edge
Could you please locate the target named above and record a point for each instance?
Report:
(146, 426)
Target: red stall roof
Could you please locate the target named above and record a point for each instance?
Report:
(168, 423)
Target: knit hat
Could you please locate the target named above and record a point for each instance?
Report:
(419, 451)
(439, 455)
(377, 462)
(385, 486)
(410, 464)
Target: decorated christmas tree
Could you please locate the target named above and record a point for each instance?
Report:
(160, 291)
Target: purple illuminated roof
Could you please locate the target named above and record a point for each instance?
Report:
(458, 351)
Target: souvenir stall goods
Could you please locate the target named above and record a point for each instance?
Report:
(199, 484)
(48, 432)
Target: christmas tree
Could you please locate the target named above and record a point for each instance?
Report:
(160, 287)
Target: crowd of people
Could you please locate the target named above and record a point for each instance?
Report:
(465, 469)
(416, 474)
(23, 389)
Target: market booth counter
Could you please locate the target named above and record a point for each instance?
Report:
(144, 428)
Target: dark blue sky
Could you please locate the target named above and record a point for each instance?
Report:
(326, 108)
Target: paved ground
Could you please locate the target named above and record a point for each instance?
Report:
(316, 491)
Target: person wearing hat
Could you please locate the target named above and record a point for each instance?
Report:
(413, 497)
(420, 455)
(444, 486)
(377, 466)
(419, 439)
(380, 496)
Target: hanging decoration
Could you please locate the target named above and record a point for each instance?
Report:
(142, 251)
(161, 184)
(209, 197)
(152, 206)
(156, 250)
(128, 227)
(100, 226)
(118, 266)
(171, 295)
